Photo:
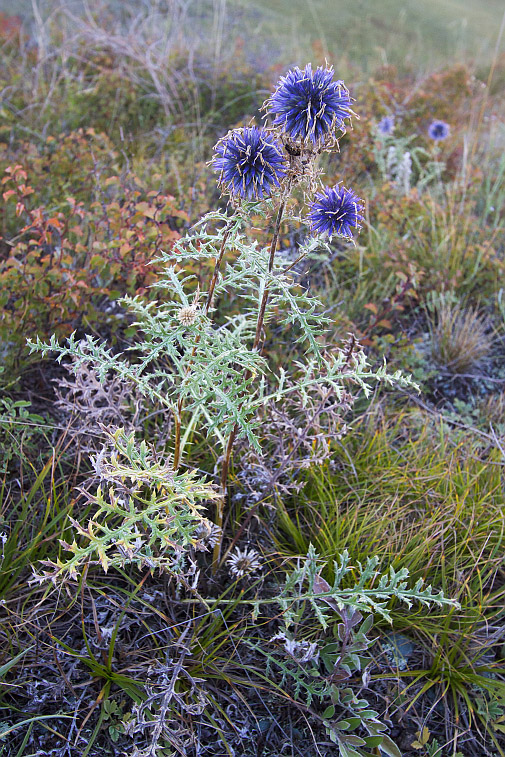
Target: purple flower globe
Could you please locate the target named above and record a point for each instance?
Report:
(336, 210)
(438, 130)
(386, 126)
(250, 163)
(309, 105)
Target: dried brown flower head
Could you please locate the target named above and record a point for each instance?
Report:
(244, 562)
(187, 315)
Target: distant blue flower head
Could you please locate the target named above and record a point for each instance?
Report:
(386, 126)
(438, 130)
(250, 163)
(309, 105)
(336, 210)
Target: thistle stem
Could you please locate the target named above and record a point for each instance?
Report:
(208, 303)
(177, 441)
(215, 275)
(256, 346)
(264, 299)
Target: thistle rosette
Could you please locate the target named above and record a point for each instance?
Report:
(438, 130)
(309, 105)
(250, 163)
(336, 211)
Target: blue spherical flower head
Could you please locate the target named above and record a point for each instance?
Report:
(310, 105)
(438, 130)
(250, 163)
(336, 210)
(386, 126)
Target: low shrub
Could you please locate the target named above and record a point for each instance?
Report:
(67, 262)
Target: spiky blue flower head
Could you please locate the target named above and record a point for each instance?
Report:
(386, 126)
(309, 105)
(336, 210)
(250, 163)
(438, 130)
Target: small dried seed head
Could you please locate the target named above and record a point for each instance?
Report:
(244, 562)
(187, 315)
(206, 535)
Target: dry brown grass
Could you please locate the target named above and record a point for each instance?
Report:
(459, 337)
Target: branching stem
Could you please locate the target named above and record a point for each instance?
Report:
(215, 275)
(256, 346)
(266, 291)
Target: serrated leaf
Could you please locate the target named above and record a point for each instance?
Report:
(423, 736)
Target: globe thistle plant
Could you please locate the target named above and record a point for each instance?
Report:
(386, 126)
(438, 130)
(336, 211)
(309, 106)
(214, 376)
(250, 164)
